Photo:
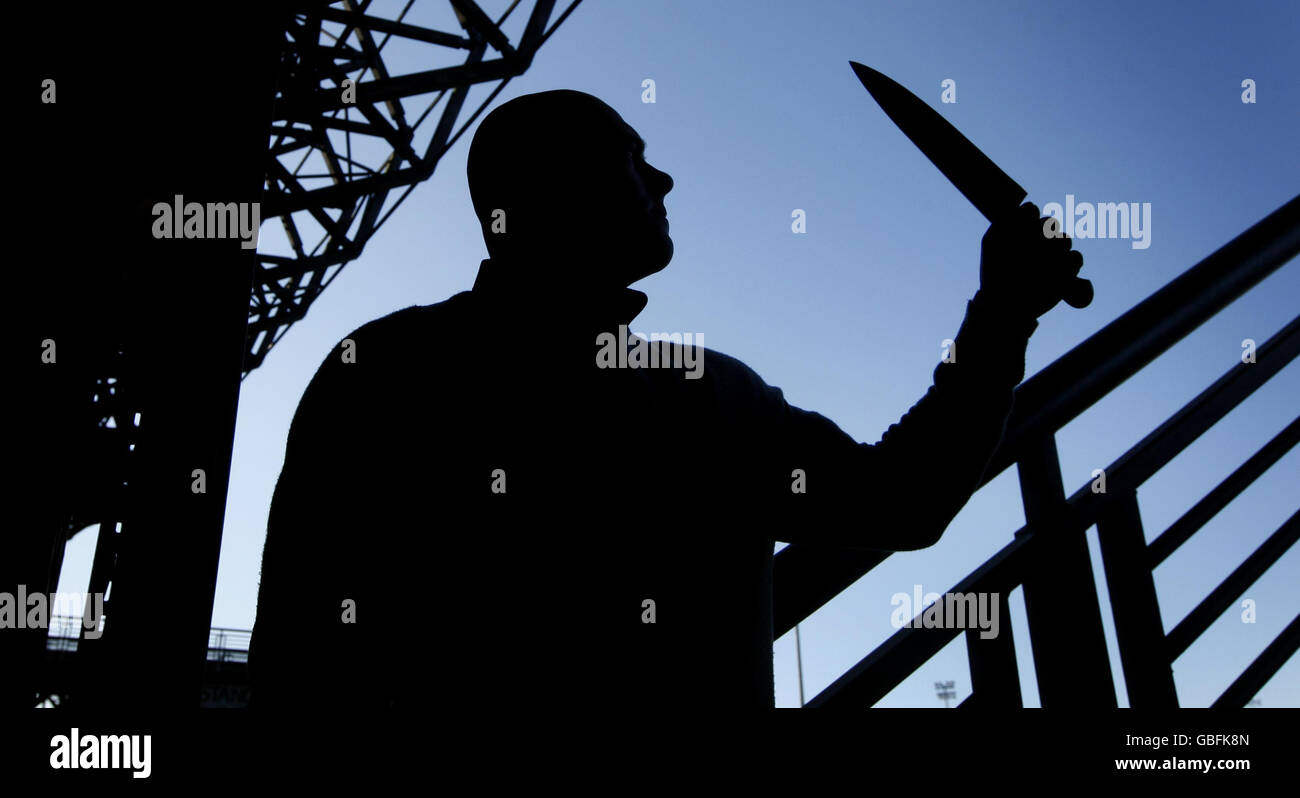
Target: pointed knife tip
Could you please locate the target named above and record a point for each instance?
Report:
(862, 70)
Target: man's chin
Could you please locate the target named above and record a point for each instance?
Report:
(659, 265)
(665, 256)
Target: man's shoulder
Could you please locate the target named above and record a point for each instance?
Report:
(715, 362)
(402, 323)
(393, 344)
(726, 365)
(731, 372)
(729, 379)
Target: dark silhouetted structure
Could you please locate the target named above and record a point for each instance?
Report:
(128, 397)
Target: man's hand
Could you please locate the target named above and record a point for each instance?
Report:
(1027, 266)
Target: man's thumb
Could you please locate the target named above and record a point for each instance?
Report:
(1078, 293)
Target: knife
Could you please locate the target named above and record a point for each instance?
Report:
(993, 193)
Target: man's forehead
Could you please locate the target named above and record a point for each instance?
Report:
(586, 124)
(619, 134)
(634, 139)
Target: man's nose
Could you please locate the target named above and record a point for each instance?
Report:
(661, 181)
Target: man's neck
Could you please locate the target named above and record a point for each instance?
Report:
(585, 305)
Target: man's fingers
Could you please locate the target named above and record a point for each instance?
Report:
(1024, 256)
(1078, 293)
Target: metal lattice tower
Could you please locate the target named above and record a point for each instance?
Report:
(336, 170)
(351, 139)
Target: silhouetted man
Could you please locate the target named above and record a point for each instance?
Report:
(480, 509)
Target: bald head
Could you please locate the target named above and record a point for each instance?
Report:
(563, 193)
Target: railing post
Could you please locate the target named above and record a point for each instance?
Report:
(1065, 628)
(995, 679)
(1148, 672)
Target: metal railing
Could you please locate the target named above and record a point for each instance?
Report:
(224, 645)
(1049, 555)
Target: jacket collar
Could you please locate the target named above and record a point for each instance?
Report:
(596, 310)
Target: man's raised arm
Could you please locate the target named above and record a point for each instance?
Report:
(902, 492)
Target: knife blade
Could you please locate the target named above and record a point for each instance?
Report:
(989, 189)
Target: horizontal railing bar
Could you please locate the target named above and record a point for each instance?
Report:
(891, 662)
(805, 577)
(1222, 597)
(1180, 430)
(909, 647)
(1191, 521)
(1131, 469)
(1269, 662)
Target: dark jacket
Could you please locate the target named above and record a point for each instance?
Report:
(621, 486)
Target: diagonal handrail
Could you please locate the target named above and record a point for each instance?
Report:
(885, 667)
(805, 577)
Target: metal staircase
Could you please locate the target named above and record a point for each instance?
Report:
(1049, 555)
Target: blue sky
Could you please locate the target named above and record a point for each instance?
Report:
(757, 114)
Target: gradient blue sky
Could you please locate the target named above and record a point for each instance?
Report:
(757, 114)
